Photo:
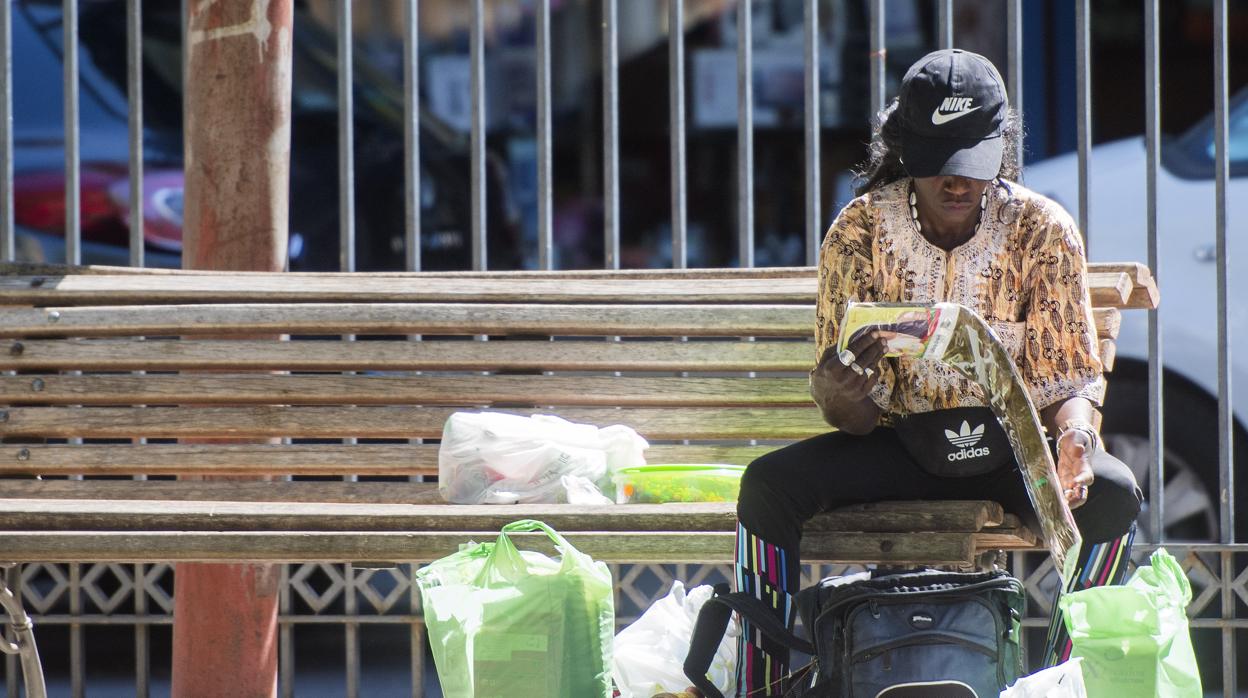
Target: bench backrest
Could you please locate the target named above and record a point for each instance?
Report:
(709, 365)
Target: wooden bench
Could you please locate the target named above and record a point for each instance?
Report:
(124, 372)
(105, 368)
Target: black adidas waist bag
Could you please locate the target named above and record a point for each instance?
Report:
(887, 635)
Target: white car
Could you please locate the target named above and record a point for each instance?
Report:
(1188, 283)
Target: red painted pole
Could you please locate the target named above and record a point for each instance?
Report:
(237, 164)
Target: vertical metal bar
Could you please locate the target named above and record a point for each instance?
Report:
(611, 132)
(8, 247)
(134, 91)
(184, 24)
(142, 654)
(1226, 418)
(944, 23)
(286, 639)
(745, 133)
(1152, 155)
(1230, 662)
(676, 99)
(352, 630)
(878, 54)
(545, 236)
(13, 580)
(346, 252)
(77, 656)
(477, 58)
(346, 142)
(417, 635)
(73, 193)
(813, 131)
(1014, 63)
(1083, 105)
(411, 133)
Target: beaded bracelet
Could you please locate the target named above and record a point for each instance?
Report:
(1094, 439)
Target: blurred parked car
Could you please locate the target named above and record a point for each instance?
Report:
(379, 183)
(1185, 225)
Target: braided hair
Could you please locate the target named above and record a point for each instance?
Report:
(883, 165)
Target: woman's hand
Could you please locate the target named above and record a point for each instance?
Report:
(1074, 469)
(843, 389)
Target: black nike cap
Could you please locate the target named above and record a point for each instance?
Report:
(952, 105)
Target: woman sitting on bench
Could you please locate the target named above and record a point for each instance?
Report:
(939, 218)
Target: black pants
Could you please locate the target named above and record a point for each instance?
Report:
(783, 489)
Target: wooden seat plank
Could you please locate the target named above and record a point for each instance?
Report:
(389, 422)
(224, 515)
(224, 389)
(280, 459)
(759, 320)
(901, 516)
(711, 547)
(318, 355)
(214, 490)
(232, 506)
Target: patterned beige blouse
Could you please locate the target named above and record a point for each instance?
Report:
(1023, 271)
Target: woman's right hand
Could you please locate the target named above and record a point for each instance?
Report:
(843, 392)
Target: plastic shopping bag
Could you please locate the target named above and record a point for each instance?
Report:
(496, 458)
(649, 655)
(1062, 681)
(1134, 638)
(506, 623)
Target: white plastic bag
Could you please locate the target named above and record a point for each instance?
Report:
(1062, 681)
(495, 458)
(649, 655)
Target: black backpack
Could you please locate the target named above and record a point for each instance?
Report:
(923, 633)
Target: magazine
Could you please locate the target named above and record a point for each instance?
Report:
(958, 337)
(907, 329)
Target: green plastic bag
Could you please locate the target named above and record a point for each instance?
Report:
(1134, 638)
(503, 622)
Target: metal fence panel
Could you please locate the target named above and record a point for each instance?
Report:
(1216, 569)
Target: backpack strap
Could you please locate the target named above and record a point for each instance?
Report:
(712, 623)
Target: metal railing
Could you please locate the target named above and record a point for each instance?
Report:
(78, 596)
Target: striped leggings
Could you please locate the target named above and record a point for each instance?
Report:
(783, 489)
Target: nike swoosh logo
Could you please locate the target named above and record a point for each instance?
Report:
(938, 118)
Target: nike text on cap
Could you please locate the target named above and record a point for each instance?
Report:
(952, 106)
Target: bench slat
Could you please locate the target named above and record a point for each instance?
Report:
(223, 515)
(1109, 289)
(510, 355)
(222, 389)
(903, 516)
(276, 459)
(390, 422)
(412, 318)
(1109, 352)
(315, 355)
(1107, 286)
(417, 318)
(393, 546)
(238, 505)
(1144, 292)
(277, 288)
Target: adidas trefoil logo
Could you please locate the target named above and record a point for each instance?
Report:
(965, 439)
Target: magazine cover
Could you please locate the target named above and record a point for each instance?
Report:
(959, 338)
(907, 329)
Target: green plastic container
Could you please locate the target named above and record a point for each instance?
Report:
(654, 484)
